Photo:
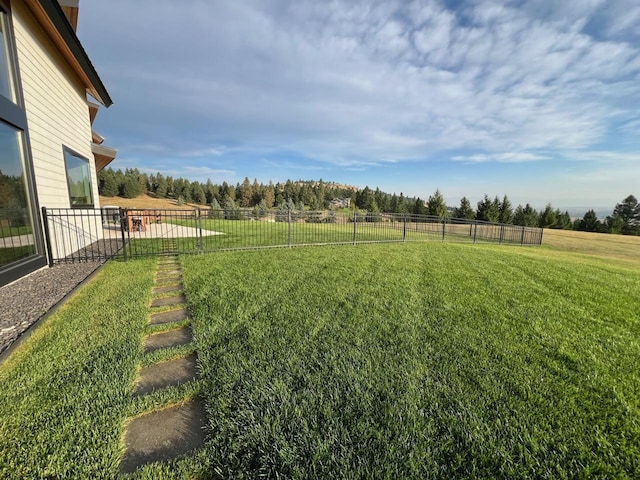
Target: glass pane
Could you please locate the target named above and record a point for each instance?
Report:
(6, 85)
(78, 176)
(16, 226)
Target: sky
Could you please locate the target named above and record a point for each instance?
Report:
(535, 99)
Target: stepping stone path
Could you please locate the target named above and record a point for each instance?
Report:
(179, 429)
(172, 338)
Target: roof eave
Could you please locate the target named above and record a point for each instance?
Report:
(50, 15)
(102, 155)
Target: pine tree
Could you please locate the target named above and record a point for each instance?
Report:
(590, 222)
(465, 210)
(629, 212)
(488, 210)
(548, 217)
(215, 210)
(563, 220)
(231, 210)
(402, 204)
(131, 187)
(506, 211)
(615, 223)
(244, 193)
(197, 193)
(108, 186)
(526, 217)
(270, 196)
(419, 208)
(436, 205)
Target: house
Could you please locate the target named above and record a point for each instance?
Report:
(340, 203)
(49, 154)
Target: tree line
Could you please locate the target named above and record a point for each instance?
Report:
(319, 195)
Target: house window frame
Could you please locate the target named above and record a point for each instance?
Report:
(13, 113)
(68, 151)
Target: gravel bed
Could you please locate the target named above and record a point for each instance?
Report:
(25, 301)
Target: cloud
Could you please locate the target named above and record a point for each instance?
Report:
(363, 83)
(506, 157)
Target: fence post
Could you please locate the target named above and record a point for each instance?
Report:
(501, 233)
(289, 221)
(201, 245)
(522, 236)
(475, 231)
(47, 236)
(541, 233)
(404, 228)
(123, 219)
(355, 223)
(444, 227)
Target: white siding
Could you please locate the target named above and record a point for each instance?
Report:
(56, 108)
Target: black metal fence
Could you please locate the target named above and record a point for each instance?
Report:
(96, 234)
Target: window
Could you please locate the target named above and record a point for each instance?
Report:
(16, 226)
(6, 81)
(79, 179)
(21, 248)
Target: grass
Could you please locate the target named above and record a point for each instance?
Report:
(594, 247)
(419, 360)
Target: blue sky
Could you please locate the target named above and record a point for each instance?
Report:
(539, 100)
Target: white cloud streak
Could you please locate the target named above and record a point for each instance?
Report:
(359, 82)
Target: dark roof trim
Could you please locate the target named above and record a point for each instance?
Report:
(57, 16)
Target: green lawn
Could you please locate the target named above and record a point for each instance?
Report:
(420, 360)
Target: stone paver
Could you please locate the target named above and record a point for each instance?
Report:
(168, 273)
(172, 279)
(167, 289)
(166, 374)
(167, 301)
(172, 338)
(164, 435)
(169, 317)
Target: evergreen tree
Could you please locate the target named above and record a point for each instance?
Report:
(216, 210)
(107, 183)
(563, 220)
(629, 212)
(590, 222)
(269, 196)
(419, 208)
(244, 193)
(465, 210)
(131, 187)
(260, 210)
(505, 211)
(615, 223)
(436, 205)
(547, 218)
(231, 210)
(526, 217)
(402, 207)
(161, 187)
(197, 193)
(488, 210)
